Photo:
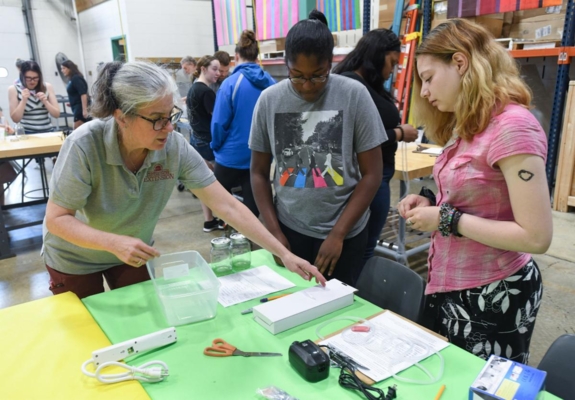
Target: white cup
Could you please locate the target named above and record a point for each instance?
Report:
(2, 133)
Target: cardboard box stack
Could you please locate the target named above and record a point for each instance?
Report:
(542, 24)
(545, 24)
(494, 23)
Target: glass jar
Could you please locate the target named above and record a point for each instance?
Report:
(220, 255)
(241, 252)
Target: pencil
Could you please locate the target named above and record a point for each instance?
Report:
(274, 297)
(438, 395)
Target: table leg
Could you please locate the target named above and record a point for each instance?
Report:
(43, 177)
(5, 251)
(401, 256)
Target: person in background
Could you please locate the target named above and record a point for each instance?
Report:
(200, 103)
(185, 75)
(224, 59)
(484, 289)
(33, 102)
(18, 64)
(232, 118)
(371, 63)
(114, 177)
(4, 123)
(77, 89)
(323, 219)
(7, 172)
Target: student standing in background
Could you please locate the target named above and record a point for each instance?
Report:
(371, 63)
(224, 59)
(232, 119)
(33, 101)
(185, 75)
(77, 89)
(200, 103)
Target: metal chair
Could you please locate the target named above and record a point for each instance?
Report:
(560, 368)
(392, 286)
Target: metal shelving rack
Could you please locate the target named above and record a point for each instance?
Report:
(564, 60)
(563, 54)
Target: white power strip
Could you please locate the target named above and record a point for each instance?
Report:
(121, 351)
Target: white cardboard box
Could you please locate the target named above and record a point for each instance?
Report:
(298, 308)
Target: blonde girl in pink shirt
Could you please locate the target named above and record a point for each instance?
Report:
(492, 208)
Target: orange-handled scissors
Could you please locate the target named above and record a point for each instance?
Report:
(221, 348)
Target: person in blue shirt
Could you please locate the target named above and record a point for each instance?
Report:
(232, 118)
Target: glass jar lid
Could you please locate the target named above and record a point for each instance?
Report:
(220, 242)
(238, 238)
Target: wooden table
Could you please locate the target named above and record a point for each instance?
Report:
(408, 166)
(30, 146)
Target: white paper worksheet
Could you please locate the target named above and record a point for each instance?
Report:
(250, 284)
(395, 345)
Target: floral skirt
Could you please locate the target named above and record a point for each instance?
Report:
(497, 318)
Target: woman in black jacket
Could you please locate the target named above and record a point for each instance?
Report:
(371, 63)
(77, 89)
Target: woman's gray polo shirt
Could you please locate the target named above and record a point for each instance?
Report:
(90, 177)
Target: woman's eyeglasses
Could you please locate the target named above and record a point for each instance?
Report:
(302, 80)
(160, 123)
(31, 79)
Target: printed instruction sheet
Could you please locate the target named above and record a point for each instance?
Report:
(393, 345)
(250, 284)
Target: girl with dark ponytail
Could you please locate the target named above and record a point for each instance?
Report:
(327, 122)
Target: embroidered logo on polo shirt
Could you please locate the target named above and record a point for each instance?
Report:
(158, 173)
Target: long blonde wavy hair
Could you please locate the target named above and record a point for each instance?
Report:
(490, 83)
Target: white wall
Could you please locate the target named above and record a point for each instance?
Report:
(55, 32)
(14, 44)
(98, 25)
(169, 28)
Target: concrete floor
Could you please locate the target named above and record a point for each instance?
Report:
(24, 278)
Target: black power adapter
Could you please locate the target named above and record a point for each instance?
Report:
(309, 360)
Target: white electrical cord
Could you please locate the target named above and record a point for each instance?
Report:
(143, 373)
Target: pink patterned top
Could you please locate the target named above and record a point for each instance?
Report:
(467, 178)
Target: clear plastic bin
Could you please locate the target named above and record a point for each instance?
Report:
(186, 286)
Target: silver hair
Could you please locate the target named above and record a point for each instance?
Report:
(188, 60)
(130, 87)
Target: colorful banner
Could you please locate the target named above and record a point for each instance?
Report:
(472, 8)
(231, 20)
(274, 18)
(342, 15)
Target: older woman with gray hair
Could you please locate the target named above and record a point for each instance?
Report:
(114, 177)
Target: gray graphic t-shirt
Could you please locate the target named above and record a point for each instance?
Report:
(315, 146)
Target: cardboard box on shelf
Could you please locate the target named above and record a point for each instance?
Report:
(550, 29)
(273, 45)
(386, 13)
(440, 10)
(493, 23)
(541, 13)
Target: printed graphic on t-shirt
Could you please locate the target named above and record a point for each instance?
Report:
(158, 173)
(308, 148)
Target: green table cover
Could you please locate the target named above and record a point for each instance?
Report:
(135, 311)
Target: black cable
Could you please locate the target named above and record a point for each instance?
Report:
(349, 380)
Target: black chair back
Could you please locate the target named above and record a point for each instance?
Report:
(559, 363)
(392, 286)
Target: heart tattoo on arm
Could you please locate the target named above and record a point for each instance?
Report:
(525, 175)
